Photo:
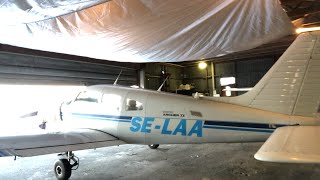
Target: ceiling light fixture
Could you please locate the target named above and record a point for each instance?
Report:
(202, 65)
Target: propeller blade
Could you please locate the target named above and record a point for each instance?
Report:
(35, 113)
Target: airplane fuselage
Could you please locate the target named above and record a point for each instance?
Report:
(148, 117)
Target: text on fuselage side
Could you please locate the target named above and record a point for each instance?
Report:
(146, 125)
(173, 115)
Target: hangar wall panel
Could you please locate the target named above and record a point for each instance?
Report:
(157, 73)
(29, 69)
(197, 77)
(249, 72)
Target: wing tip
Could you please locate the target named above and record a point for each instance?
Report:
(284, 157)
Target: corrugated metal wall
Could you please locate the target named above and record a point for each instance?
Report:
(23, 66)
(156, 74)
(249, 72)
(16, 68)
(198, 78)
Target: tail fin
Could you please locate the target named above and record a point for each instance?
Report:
(292, 85)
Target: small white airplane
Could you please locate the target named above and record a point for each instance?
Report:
(284, 104)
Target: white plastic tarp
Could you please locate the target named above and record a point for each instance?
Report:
(143, 30)
(28, 11)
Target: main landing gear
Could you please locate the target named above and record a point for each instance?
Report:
(153, 146)
(64, 166)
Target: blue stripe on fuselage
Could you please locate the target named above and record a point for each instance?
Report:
(104, 117)
(239, 129)
(209, 124)
(241, 126)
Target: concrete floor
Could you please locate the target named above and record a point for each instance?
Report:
(205, 161)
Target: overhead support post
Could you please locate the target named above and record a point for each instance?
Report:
(213, 80)
(142, 74)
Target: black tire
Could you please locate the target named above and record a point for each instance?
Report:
(62, 169)
(153, 146)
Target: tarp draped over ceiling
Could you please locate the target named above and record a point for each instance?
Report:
(27, 11)
(142, 30)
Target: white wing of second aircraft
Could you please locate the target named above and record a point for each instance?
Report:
(55, 142)
(292, 144)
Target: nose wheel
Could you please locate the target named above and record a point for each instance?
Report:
(64, 166)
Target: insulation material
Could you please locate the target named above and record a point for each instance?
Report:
(150, 31)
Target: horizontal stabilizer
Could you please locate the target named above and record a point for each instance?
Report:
(292, 144)
(55, 142)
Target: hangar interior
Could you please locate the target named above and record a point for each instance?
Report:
(27, 66)
(23, 66)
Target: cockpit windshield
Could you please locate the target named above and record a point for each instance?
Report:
(89, 96)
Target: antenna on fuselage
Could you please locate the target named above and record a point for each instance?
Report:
(163, 83)
(115, 82)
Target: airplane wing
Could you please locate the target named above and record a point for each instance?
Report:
(55, 142)
(292, 144)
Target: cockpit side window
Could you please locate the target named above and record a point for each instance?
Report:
(112, 102)
(133, 105)
(89, 96)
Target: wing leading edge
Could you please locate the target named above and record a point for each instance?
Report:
(56, 142)
(294, 144)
